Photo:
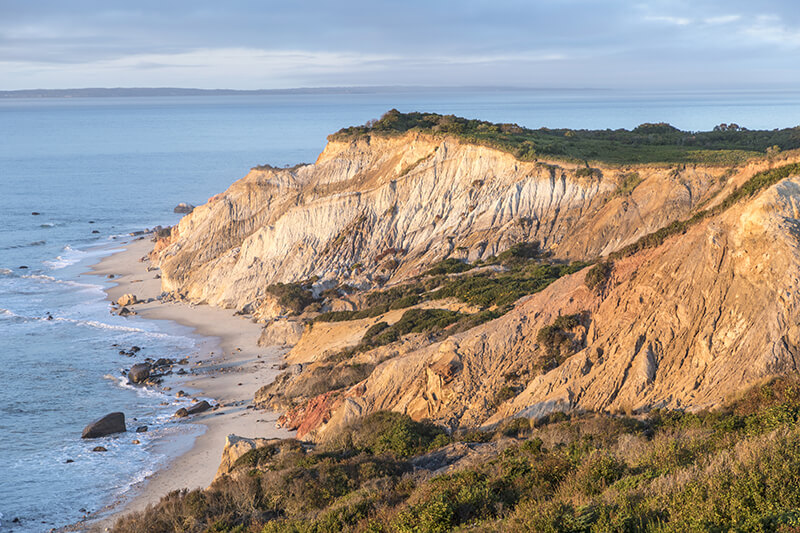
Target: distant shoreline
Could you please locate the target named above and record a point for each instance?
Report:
(126, 92)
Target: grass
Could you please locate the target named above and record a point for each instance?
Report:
(647, 143)
(736, 468)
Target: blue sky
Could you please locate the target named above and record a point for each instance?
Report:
(309, 43)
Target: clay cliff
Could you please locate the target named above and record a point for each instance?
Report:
(685, 321)
(379, 210)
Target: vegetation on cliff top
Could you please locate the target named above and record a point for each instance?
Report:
(733, 469)
(727, 144)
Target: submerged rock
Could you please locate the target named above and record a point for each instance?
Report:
(107, 425)
(99, 449)
(139, 373)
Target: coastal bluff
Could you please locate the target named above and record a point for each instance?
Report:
(681, 318)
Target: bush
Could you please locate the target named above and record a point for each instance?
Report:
(647, 143)
(448, 266)
(597, 277)
(396, 434)
(293, 296)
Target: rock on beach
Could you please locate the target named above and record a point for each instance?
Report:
(107, 425)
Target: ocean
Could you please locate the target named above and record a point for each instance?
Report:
(96, 169)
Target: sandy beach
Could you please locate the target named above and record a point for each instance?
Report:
(229, 368)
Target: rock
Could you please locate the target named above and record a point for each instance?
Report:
(282, 331)
(139, 372)
(236, 447)
(127, 299)
(125, 312)
(183, 208)
(109, 424)
(99, 449)
(180, 394)
(35, 213)
(69, 461)
(199, 407)
(95, 231)
(135, 349)
(141, 429)
(23, 267)
(163, 361)
(135, 441)
(110, 276)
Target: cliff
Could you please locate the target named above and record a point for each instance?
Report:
(679, 324)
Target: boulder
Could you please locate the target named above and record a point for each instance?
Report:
(199, 407)
(183, 208)
(236, 447)
(111, 423)
(139, 373)
(127, 299)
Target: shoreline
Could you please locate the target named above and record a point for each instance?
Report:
(231, 367)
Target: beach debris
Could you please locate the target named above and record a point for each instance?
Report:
(139, 372)
(141, 429)
(127, 299)
(111, 423)
(193, 410)
(183, 208)
(99, 449)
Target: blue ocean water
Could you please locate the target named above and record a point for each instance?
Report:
(118, 165)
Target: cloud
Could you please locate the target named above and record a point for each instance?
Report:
(257, 68)
(771, 29)
(677, 21)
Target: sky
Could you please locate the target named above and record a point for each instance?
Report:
(249, 44)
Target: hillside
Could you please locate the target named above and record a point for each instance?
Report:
(467, 287)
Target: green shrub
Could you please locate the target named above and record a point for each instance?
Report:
(387, 432)
(597, 277)
(628, 182)
(659, 143)
(294, 296)
(448, 266)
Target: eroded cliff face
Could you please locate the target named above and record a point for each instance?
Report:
(682, 325)
(380, 210)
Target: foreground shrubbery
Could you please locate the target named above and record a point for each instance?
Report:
(733, 469)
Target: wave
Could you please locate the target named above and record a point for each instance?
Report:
(51, 279)
(70, 257)
(17, 246)
(6, 271)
